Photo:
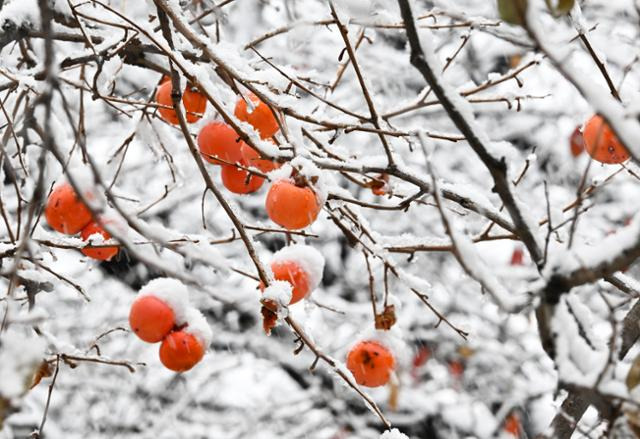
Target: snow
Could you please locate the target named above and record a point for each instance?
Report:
(307, 257)
(577, 361)
(627, 129)
(21, 11)
(394, 433)
(173, 293)
(606, 251)
(19, 358)
(279, 292)
(251, 385)
(83, 178)
(311, 172)
(115, 222)
(198, 326)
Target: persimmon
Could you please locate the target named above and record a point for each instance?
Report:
(576, 141)
(151, 319)
(293, 273)
(99, 253)
(217, 140)
(180, 351)
(238, 180)
(260, 117)
(251, 157)
(195, 103)
(601, 143)
(371, 363)
(65, 212)
(292, 206)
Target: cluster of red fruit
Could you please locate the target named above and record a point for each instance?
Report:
(291, 203)
(370, 362)
(67, 214)
(161, 313)
(599, 141)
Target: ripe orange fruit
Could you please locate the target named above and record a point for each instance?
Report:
(576, 141)
(100, 253)
(290, 206)
(370, 363)
(293, 273)
(195, 103)
(180, 351)
(238, 181)
(261, 118)
(65, 212)
(218, 140)
(151, 319)
(601, 143)
(251, 157)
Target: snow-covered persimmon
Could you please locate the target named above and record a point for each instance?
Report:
(65, 212)
(300, 265)
(180, 351)
(238, 180)
(260, 117)
(576, 142)
(195, 103)
(151, 318)
(217, 140)
(371, 363)
(291, 206)
(601, 143)
(293, 273)
(99, 253)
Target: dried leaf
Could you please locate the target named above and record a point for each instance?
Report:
(633, 420)
(269, 313)
(466, 352)
(387, 318)
(513, 11)
(560, 7)
(633, 377)
(394, 391)
(43, 371)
